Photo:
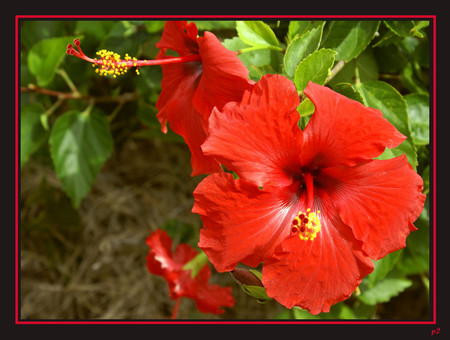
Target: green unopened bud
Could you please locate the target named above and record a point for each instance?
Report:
(250, 282)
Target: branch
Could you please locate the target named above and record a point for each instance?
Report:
(125, 97)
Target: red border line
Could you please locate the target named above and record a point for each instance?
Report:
(285, 322)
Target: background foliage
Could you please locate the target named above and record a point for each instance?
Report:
(97, 174)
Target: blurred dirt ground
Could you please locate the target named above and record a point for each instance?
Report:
(91, 264)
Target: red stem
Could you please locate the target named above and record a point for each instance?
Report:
(175, 309)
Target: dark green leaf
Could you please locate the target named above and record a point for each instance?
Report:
(45, 57)
(416, 255)
(301, 47)
(349, 38)
(80, 143)
(256, 33)
(419, 115)
(316, 68)
(365, 63)
(32, 133)
(382, 96)
(383, 267)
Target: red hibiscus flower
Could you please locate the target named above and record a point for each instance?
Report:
(191, 90)
(161, 261)
(313, 205)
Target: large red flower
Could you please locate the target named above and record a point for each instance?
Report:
(313, 205)
(161, 261)
(191, 90)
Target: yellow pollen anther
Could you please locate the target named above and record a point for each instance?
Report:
(306, 224)
(110, 63)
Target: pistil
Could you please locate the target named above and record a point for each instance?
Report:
(111, 63)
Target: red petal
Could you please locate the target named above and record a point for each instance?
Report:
(224, 78)
(316, 274)
(241, 223)
(179, 36)
(343, 131)
(175, 105)
(211, 298)
(259, 137)
(379, 200)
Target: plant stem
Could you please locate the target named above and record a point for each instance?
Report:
(125, 97)
(69, 82)
(335, 70)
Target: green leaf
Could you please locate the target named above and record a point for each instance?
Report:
(306, 108)
(365, 63)
(416, 255)
(80, 143)
(205, 25)
(419, 115)
(383, 267)
(196, 264)
(32, 133)
(382, 96)
(256, 33)
(316, 68)
(297, 28)
(45, 57)
(349, 38)
(301, 47)
(347, 89)
(253, 60)
(384, 290)
(401, 28)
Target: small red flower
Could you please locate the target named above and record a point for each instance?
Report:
(313, 205)
(161, 261)
(191, 90)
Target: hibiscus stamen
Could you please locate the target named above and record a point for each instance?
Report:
(111, 63)
(307, 227)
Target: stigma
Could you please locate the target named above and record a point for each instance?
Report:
(306, 224)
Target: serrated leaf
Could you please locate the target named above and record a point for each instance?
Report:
(80, 143)
(382, 96)
(301, 47)
(32, 133)
(349, 38)
(256, 33)
(45, 56)
(316, 68)
(419, 115)
(384, 291)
